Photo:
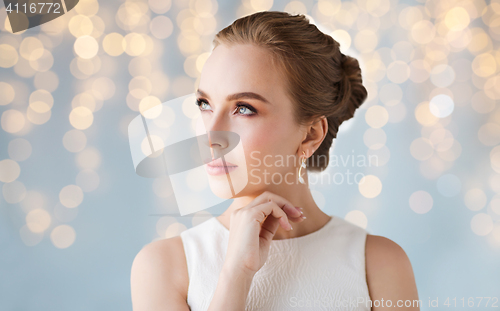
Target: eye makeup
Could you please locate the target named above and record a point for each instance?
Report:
(200, 102)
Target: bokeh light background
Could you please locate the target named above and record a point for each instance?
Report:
(73, 214)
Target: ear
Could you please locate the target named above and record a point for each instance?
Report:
(315, 134)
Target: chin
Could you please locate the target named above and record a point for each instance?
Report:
(230, 185)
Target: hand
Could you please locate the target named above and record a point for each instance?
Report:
(252, 231)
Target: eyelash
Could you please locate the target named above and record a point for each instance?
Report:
(199, 102)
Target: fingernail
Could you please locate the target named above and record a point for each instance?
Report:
(291, 228)
(304, 217)
(299, 209)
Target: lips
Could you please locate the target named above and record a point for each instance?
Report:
(218, 163)
(217, 167)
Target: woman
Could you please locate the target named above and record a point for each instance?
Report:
(284, 87)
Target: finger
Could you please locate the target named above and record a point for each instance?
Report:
(269, 228)
(272, 209)
(270, 225)
(282, 202)
(292, 211)
(296, 219)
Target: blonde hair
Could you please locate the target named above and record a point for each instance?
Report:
(319, 79)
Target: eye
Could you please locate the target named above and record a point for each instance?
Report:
(200, 102)
(242, 109)
(245, 109)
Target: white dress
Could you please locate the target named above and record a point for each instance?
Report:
(323, 270)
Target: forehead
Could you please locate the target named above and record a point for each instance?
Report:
(241, 68)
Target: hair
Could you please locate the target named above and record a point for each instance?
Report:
(319, 79)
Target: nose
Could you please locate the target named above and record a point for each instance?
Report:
(219, 139)
(218, 121)
(216, 129)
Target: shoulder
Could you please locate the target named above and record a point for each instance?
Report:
(388, 270)
(159, 274)
(166, 253)
(383, 251)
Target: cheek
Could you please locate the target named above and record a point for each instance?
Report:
(266, 139)
(262, 137)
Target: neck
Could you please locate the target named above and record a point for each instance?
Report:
(300, 196)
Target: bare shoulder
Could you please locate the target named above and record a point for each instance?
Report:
(159, 276)
(382, 251)
(389, 273)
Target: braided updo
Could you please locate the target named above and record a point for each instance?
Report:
(320, 80)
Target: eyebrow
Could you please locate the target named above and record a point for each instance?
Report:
(236, 96)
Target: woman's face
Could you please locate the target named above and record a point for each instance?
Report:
(263, 119)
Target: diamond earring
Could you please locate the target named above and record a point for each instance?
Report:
(303, 165)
